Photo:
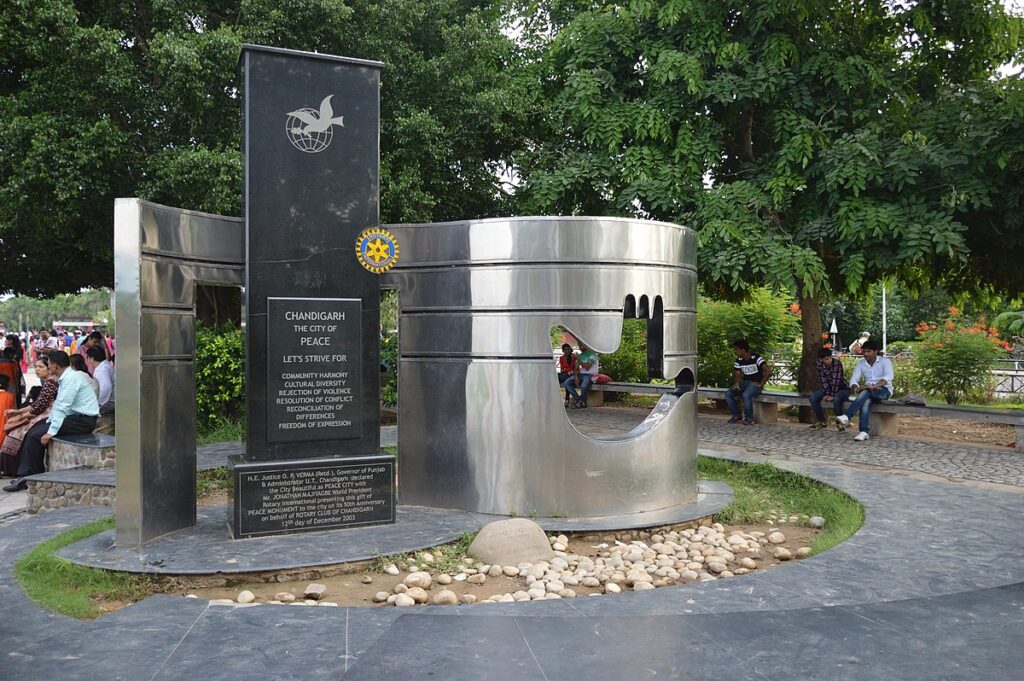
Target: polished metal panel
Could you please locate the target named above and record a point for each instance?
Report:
(160, 254)
(570, 286)
(481, 425)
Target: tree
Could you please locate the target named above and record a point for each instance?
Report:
(108, 98)
(794, 134)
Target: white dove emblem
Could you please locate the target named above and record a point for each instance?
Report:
(316, 122)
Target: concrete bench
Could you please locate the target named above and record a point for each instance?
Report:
(94, 450)
(766, 408)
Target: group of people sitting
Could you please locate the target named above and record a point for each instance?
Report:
(871, 381)
(576, 373)
(74, 391)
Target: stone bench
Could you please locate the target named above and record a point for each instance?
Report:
(766, 408)
(76, 487)
(95, 450)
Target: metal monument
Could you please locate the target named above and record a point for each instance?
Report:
(482, 426)
(481, 422)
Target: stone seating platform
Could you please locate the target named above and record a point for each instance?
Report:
(93, 450)
(93, 485)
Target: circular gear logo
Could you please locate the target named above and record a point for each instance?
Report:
(377, 250)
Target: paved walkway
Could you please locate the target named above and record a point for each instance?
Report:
(930, 587)
(947, 460)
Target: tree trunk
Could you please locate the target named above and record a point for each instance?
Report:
(810, 328)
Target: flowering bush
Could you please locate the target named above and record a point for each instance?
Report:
(955, 357)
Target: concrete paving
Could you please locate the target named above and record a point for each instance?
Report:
(931, 587)
(946, 460)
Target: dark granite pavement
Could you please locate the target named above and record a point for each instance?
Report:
(932, 587)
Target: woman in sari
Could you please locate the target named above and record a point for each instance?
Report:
(19, 421)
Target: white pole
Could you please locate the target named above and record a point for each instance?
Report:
(884, 320)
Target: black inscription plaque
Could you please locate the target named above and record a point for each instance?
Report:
(313, 369)
(284, 497)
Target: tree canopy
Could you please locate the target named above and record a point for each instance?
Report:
(105, 98)
(807, 141)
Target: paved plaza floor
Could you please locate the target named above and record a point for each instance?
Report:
(931, 587)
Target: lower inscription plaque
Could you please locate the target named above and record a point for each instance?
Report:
(281, 497)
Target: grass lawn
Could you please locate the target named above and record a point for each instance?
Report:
(762, 490)
(72, 590)
(225, 431)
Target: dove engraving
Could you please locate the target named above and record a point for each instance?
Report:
(316, 122)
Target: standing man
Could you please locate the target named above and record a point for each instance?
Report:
(877, 374)
(833, 391)
(750, 373)
(857, 346)
(74, 413)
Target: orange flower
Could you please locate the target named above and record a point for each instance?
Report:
(950, 324)
(953, 311)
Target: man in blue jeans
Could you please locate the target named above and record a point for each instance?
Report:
(833, 391)
(750, 373)
(877, 374)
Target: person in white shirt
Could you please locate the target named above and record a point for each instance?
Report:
(877, 375)
(103, 372)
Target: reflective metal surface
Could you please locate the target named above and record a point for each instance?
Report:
(160, 254)
(481, 424)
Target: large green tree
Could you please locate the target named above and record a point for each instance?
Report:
(798, 136)
(108, 98)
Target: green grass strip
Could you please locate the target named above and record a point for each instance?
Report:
(762, 490)
(69, 589)
(224, 431)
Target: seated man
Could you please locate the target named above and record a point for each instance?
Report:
(749, 375)
(566, 368)
(74, 412)
(587, 368)
(103, 372)
(833, 387)
(877, 374)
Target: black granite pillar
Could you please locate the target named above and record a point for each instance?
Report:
(312, 311)
(311, 185)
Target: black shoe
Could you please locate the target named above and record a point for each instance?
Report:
(17, 485)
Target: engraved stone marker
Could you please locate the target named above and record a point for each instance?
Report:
(313, 369)
(318, 494)
(510, 542)
(312, 452)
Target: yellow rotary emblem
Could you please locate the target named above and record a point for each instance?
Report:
(377, 250)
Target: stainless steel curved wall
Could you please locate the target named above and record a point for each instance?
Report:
(481, 424)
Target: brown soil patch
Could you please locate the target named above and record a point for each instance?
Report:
(924, 428)
(219, 497)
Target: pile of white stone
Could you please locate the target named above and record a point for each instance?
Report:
(313, 594)
(693, 555)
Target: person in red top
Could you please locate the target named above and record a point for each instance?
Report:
(566, 368)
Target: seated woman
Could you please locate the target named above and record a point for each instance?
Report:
(19, 421)
(566, 368)
(78, 364)
(587, 368)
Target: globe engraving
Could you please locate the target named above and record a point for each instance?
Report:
(308, 142)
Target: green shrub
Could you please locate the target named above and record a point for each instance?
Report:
(764, 319)
(629, 362)
(955, 359)
(220, 376)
